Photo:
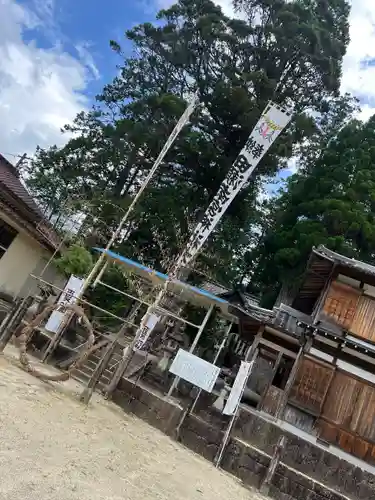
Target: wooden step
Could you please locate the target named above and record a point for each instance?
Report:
(80, 376)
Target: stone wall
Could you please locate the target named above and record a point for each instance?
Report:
(306, 471)
(149, 406)
(312, 460)
(250, 464)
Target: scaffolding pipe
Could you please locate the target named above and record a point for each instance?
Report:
(193, 346)
(177, 129)
(192, 406)
(160, 309)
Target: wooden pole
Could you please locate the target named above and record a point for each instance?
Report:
(13, 321)
(279, 448)
(120, 370)
(9, 318)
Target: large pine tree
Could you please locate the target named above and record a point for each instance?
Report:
(286, 51)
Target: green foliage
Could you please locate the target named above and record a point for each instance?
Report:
(330, 201)
(76, 260)
(286, 51)
(109, 300)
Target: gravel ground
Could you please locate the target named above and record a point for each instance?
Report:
(52, 447)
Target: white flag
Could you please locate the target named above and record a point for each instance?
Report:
(273, 120)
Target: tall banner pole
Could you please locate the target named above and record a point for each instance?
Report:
(273, 120)
(179, 126)
(271, 123)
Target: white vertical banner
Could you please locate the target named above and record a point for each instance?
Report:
(144, 333)
(68, 296)
(238, 388)
(273, 120)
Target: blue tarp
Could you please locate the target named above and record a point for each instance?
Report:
(194, 294)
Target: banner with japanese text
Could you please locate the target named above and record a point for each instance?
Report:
(273, 120)
(69, 296)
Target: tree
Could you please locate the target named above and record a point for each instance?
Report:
(286, 51)
(75, 260)
(332, 202)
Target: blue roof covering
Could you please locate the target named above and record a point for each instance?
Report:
(138, 268)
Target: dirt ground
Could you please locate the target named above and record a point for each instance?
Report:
(52, 447)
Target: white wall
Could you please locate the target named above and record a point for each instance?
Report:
(18, 262)
(24, 256)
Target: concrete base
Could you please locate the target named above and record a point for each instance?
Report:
(306, 470)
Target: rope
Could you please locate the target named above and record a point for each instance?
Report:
(27, 331)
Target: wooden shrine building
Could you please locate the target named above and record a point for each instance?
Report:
(321, 355)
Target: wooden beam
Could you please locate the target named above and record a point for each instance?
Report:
(323, 296)
(284, 398)
(274, 371)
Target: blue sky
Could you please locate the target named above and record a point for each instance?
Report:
(55, 57)
(81, 34)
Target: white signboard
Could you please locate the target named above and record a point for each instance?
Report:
(238, 387)
(195, 370)
(68, 296)
(273, 120)
(145, 331)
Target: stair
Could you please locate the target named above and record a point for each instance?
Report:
(84, 373)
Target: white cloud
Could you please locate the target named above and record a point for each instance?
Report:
(358, 77)
(41, 89)
(85, 56)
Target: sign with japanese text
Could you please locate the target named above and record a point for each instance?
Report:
(145, 331)
(195, 370)
(68, 296)
(273, 120)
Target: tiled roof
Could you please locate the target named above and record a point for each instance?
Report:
(23, 203)
(214, 288)
(9, 178)
(344, 261)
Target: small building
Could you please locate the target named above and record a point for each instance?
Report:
(27, 240)
(329, 329)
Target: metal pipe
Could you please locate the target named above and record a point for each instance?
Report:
(193, 346)
(192, 406)
(177, 129)
(158, 308)
(234, 417)
(218, 352)
(84, 301)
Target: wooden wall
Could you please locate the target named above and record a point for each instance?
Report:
(341, 303)
(311, 385)
(351, 309)
(344, 406)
